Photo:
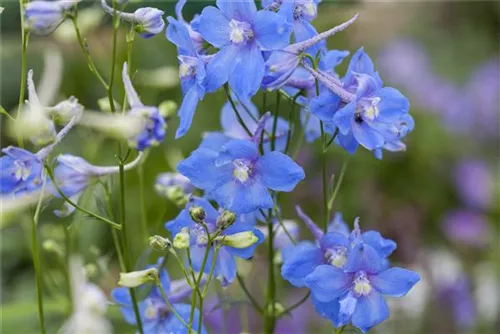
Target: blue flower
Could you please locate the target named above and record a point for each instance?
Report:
(356, 292)
(232, 129)
(155, 314)
(191, 71)
(238, 177)
(153, 130)
(367, 113)
(20, 171)
(225, 264)
(241, 33)
(196, 38)
(43, 17)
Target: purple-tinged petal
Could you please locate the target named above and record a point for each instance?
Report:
(347, 307)
(243, 198)
(366, 136)
(328, 310)
(365, 258)
(384, 247)
(325, 106)
(178, 34)
(312, 226)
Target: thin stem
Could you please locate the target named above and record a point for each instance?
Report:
(116, 23)
(130, 43)
(252, 300)
(290, 122)
(76, 206)
(264, 102)
(280, 220)
(339, 183)
(114, 233)
(188, 279)
(170, 306)
(339, 330)
(270, 315)
(332, 139)
(197, 283)
(275, 122)
(142, 199)
(297, 304)
(36, 260)
(233, 105)
(85, 50)
(24, 41)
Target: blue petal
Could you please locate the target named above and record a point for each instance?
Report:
(395, 282)
(214, 27)
(247, 72)
(200, 169)
(178, 34)
(366, 136)
(186, 111)
(343, 117)
(392, 104)
(240, 149)
(370, 311)
(226, 267)
(178, 223)
(301, 261)
(243, 198)
(304, 30)
(367, 85)
(214, 140)
(279, 172)
(365, 258)
(174, 325)
(383, 246)
(328, 283)
(19, 153)
(348, 142)
(325, 106)
(338, 225)
(271, 30)
(219, 67)
(280, 66)
(334, 239)
(230, 124)
(332, 59)
(241, 10)
(121, 296)
(247, 253)
(328, 310)
(347, 308)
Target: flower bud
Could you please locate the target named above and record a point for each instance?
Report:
(175, 187)
(181, 240)
(105, 106)
(197, 214)
(150, 21)
(65, 110)
(137, 278)
(225, 219)
(239, 240)
(42, 17)
(159, 243)
(168, 108)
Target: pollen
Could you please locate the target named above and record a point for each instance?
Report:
(362, 286)
(184, 70)
(371, 112)
(150, 312)
(241, 171)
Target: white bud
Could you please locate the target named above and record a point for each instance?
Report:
(181, 240)
(137, 278)
(238, 240)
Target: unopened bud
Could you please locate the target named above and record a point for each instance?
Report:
(225, 219)
(168, 108)
(181, 240)
(137, 278)
(277, 310)
(51, 246)
(91, 270)
(105, 106)
(159, 243)
(197, 214)
(239, 240)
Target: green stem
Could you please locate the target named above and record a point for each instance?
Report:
(294, 306)
(181, 265)
(339, 330)
(238, 116)
(197, 283)
(170, 306)
(275, 122)
(116, 23)
(269, 314)
(130, 43)
(85, 50)
(338, 184)
(252, 300)
(24, 41)
(142, 199)
(114, 233)
(36, 260)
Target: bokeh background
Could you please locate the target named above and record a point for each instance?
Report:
(439, 200)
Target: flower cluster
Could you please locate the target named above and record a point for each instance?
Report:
(347, 273)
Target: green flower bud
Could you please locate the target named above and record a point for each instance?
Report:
(159, 243)
(168, 108)
(238, 240)
(137, 278)
(181, 240)
(225, 219)
(197, 214)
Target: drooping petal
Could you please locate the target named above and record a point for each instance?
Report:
(243, 198)
(347, 308)
(247, 72)
(328, 283)
(214, 140)
(366, 136)
(395, 282)
(279, 172)
(301, 261)
(383, 246)
(174, 325)
(219, 67)
(241, 10)
(370, 311)
(132, 97)
(325, 106)
(328, 310)
(186, 111)
(272, 31)
(226, 267)
(214, 27)
(311, 225)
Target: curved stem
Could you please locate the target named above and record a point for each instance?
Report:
(116, 23)
(233, 105)
(275, 122)
(338, 184)
(252, 300)
(297, 304)
(170, 306)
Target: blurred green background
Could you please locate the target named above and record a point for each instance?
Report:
(432, 52)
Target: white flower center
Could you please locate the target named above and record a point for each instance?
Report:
(240, 32)
(362, 285)
(241, 171)
(22, 171)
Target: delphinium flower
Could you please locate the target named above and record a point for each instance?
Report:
(20, 171)
(232, 129)
(237, 236)
(74, 174)
(153, 131)
(238, 177)
(155, 313)
(191, 71)
(364, 111)
(43, 17)
(196, 38)
(148, 21)
(174, 186)
(241, 32)
(89, 304)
